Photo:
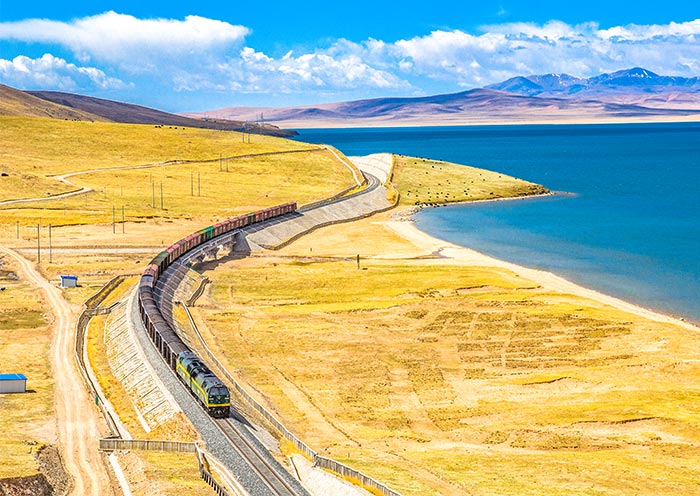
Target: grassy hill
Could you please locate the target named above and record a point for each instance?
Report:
(147, 156)
(128, 113)
(21, 104)
(68, 106)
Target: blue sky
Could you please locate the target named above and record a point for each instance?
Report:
(202, 55)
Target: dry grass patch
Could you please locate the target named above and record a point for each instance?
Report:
(423, 181)
(50, 146)
(167, 474)
(186, 191)
(93, 269)
(26, 420)
(407, 361)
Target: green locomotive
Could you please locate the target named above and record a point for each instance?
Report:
(203, 384)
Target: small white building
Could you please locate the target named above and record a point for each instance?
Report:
(13, 383)
(69, 281)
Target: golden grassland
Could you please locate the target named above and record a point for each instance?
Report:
(51, 147)
(424, 181)
(192, 190)
(196, 193)
(167, 474)
(441, 379)
(434, 377)
(189, 191)
(26, 422)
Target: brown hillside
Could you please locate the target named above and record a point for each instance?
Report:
(129, 113)
(20, 104)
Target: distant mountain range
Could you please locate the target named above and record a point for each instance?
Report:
(68, 106)
(634, 94)
(637, 84)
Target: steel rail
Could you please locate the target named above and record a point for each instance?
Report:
(265, 470)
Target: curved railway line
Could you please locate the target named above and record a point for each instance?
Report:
(166, 272)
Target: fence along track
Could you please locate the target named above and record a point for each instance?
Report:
(90, 309)
(114, 444)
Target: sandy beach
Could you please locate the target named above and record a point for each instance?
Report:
(459, 255)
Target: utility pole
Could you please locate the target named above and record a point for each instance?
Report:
(38, 243)
(50, 247)
(122, 219)
(161, 195)
(153, 194)
(17, 229)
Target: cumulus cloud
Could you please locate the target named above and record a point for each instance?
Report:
(137, 45)
(511, 49)
(49, 72)
(203, 54)
(332, 69)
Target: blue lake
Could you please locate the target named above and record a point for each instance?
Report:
(631, 228)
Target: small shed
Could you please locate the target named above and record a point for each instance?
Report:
(69, 281)
(13, 383)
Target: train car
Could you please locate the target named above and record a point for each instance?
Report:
(203, 384)
(160, 263)
(200, 380)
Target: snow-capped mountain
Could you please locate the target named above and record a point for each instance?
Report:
(636, 80)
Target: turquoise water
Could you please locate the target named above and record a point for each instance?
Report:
(631, 228)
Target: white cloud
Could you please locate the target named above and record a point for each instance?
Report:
(136, 45)
(339, 68)
(511, 49)
(49, 72)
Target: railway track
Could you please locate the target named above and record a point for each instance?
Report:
(271, 477)
(267, 472)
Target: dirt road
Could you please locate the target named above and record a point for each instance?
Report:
(78, 422)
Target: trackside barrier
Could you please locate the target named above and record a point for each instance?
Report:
(111, 444)
(206, 475)
(95, 300)
(351, 473)
(90, 309)
(318, 460)
(115, 444)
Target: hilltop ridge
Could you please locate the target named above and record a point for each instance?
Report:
(68, 106)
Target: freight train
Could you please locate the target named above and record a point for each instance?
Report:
(204, 385)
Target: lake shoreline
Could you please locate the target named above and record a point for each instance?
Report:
(403, 225)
